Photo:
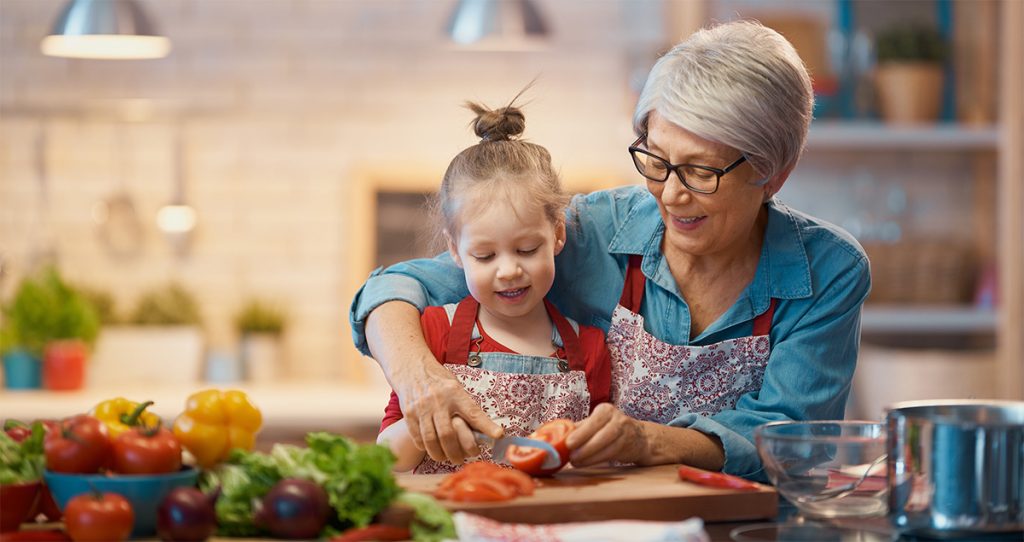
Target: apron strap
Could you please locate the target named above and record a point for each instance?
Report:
(633, 289)
(570, 340)
(763, 321)
(461, 333)
(460, 336)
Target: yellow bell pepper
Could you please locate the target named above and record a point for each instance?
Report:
(120, 415)
(215, 422)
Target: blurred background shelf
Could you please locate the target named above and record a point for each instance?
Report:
(871, 135)
(937, 319)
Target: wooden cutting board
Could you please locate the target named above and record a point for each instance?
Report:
(590, 494)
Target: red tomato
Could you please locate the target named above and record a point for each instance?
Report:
(78, 445)
(374, 531)
(92, 517)
(147, 450)
(530, 460)
(482, 481)
(482, 490)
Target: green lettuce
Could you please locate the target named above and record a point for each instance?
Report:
(357, 479)
(22, 462)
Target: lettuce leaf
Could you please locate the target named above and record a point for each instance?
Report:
(357, 479)
(22, 462)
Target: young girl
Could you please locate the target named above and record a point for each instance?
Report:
(502, 213)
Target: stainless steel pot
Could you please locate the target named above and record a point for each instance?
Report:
(956, 468)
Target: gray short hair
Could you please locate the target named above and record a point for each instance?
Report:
(740, 84)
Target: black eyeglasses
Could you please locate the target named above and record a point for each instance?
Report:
(702, 179)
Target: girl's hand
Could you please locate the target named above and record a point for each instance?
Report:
(608, 435)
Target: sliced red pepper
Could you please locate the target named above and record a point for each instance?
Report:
(715, 479)
(374, 532)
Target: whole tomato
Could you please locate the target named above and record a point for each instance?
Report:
(78, 445)
(98, 517)
(147, 450)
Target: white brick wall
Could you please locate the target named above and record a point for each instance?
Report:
(287, 98)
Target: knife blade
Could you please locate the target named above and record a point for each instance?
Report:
(500, 447)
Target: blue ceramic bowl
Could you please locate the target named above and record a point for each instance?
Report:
(143, 491)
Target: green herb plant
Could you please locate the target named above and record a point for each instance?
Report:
(171, 305)
(260, 317)
(46, 308)
(911, 42)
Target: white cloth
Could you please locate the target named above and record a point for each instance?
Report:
(474, 528)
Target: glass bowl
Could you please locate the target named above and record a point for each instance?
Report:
(827, 468)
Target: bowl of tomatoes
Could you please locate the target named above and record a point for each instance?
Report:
(143, 491)
(140, 464)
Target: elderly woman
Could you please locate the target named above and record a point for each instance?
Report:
(724, 309)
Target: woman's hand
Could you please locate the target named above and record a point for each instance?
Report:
(608, 435)
(438, 410)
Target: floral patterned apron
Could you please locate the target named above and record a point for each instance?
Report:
(656, 381)
(518, 392)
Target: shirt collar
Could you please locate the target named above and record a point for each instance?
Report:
(784, 271)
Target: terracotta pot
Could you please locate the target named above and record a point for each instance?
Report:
(64, 365)
(909, 92)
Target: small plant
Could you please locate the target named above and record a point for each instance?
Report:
(260, 317)
(171, 305)
(911, 42)
(45, 308)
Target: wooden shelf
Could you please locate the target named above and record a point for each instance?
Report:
(877, 136)
(925, 319)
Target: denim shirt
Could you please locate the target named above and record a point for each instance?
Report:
(818, 273)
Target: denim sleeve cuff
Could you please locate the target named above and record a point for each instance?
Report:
(740, 454)
(377, 290)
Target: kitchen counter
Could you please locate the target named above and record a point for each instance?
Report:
(290, 409)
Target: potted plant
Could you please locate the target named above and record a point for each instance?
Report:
(47, 332)
(260, 326)
(909, 75)
(160, 342)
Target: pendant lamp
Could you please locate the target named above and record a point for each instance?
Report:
(108, 29)
(502, 25)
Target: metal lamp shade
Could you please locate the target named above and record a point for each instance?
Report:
(497, 24)
(109, 29)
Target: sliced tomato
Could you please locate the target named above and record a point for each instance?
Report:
(482, 490)
(483, 482)
(523, 484)
(715, 479)
(531, 460)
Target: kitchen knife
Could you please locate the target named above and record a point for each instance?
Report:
(500, 446)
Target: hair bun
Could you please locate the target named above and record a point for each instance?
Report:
(500, 124)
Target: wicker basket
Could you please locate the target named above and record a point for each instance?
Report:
(922, 272)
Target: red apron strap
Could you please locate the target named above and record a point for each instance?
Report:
(763, 321)
(633, 289)
(461, 333)
(570, 339)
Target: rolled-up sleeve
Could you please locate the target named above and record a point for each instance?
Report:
(809, 371)
(422, 282)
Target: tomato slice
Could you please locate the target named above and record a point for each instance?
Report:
(483, 482)
(531, 460)
(482, 490)
(715, 479)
